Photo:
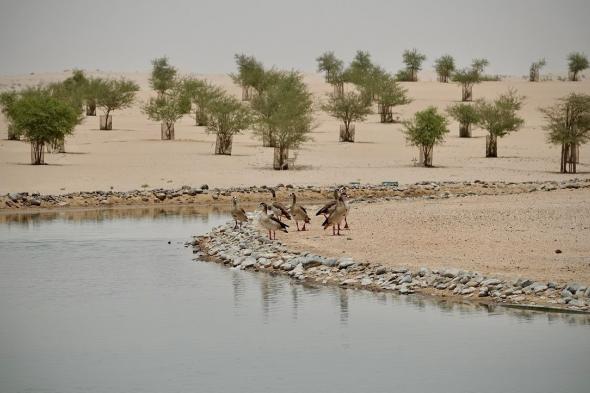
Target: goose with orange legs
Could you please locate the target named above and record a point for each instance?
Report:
(271, 223)
(299, 213)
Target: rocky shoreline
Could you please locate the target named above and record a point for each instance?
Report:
(203, 195)
(248, 248)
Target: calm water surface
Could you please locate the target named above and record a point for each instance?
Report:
(98, 301)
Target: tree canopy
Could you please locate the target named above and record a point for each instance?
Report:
(500, 117)
(202, 94)
(463, 113)
(40, 118)
(444, 67)
(115, 94)
(427, 129)
(163, 75)
(228, 116)
(348, 107)
(413, 61)
(576, 62)
(251, 72)
(332, 66)
(168, 107)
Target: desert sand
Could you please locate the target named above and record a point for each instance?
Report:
(132, 155)
(505, 236)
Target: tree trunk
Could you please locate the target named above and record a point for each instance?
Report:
(167, 131)
(12, 135)
(37, 153)
(223, 144)
(281, 158)
(425, 158)
(246, 93)
(573, 152)
(338, 89)
(347, 133)
(106, 122)
(563, 160)
(386, 113)
(467, 93)
(268, 139)
(91, 109)
(491, 145)
(465, 130)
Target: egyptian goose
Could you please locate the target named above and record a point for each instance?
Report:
(328, 207)
(238, 214)
(336, 216)
(271, 223)
(299, 213)
(278, 208)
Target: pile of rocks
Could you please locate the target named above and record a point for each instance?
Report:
(360, 193)
(247, 248)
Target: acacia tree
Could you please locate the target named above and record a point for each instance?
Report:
(41, 119)
(163, 75)
(348, 107)
(499, 118)
(568, 125)
(467, 77)
(7, 101)
(576, 62)
(250, 75)
(167, 108)
(288, 113)
(113, 95)
(334, 70)
(425, 130)
(413, 61)
(444, 67)
(390, 94)
(90, 92)
(466, 115)
(227, 117)
(360, 68)
(535, 70)
(201, 94)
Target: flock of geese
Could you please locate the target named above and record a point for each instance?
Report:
(273, 213)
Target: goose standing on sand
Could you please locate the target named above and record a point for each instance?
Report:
(278, 208)
(238, 214)
(336, 216)
(299, 213)
(271, 223)
(328, 207)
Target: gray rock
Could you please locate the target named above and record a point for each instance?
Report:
(14, 196)
(35, 202)
(405, 289)
(525, 282)
(287, 266)
(538, 287)
(161, 196)
(248, 262)
(451, 273)
(330, 262)
(566, 293)
(350, 281)
(577, 303)
(490, 282)
(467, 291)
(406, 279)
(344, 263)
(484, 291)
(380, 270)
(423, 272)
(399, 270)
(246, 252)
(263, 261)
(366, 281)
(204, 187)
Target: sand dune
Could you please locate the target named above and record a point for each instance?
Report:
(133, 155)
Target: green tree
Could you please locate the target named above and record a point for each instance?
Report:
(113, 95)
(467, 77)
(349, 107)
(167, 108)
(201, 94)
(7, 101)
(568, 125)
(163, 75)
(444, 67)
(333, 69)
(227, 117)
(499, 118)
(413, 61)
(250, 75)
(285, 110)
(466, 115)
(535, 70)
(360, 68)
(390, 94)
(576, 62)
(42, 119)
(90, 93)
(427, 129)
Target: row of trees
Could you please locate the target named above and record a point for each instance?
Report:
(279, 111)
(498, 117)
(45, 115)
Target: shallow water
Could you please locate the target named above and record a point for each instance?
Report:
(98, 301)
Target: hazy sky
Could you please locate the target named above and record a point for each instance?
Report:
(202, 36)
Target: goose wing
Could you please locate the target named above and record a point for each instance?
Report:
(279, 206)
(282, 224)
(326, 208)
